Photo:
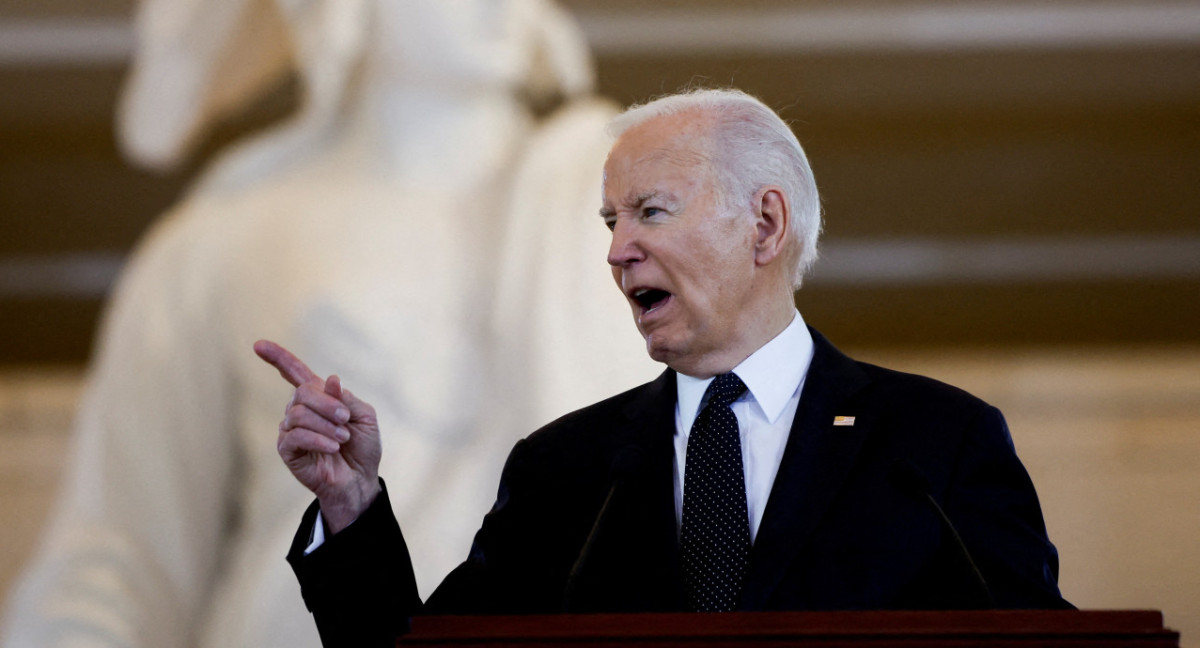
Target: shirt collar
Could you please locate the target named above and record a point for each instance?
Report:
(772, 374)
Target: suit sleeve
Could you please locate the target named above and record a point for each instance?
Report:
(993, 502)
(359, 584)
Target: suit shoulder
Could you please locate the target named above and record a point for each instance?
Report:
(930, 413)
(579, 447)
(605, 426)
(909, 390)
(597, 416)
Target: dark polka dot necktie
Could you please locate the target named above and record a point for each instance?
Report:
(715, 535)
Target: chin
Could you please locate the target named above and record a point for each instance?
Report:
(659, 350)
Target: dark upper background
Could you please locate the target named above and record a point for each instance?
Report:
(1035, 182)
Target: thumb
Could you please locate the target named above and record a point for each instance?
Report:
(333, 386)
(359, 409)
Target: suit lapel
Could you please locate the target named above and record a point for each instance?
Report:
(816, 461)
(653, 420)
(640, 564)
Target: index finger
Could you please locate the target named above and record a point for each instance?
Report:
(290, 367)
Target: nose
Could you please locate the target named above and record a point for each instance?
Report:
(624, 248)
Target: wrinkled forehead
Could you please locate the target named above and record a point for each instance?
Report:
(656, 149)
(682, 134)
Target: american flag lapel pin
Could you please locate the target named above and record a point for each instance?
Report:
(843, 421)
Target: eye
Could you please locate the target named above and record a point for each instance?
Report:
(610, 222)
(651, 212)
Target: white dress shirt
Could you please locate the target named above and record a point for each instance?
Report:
(774, 376)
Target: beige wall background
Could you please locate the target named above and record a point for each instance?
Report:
(1012, 194)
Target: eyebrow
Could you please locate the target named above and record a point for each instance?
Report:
(636, 202)
(643, 198)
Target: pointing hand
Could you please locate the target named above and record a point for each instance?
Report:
(328, 438)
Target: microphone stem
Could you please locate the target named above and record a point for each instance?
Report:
(586, 551)
(962, 549)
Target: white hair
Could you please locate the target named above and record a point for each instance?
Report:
(751, 147)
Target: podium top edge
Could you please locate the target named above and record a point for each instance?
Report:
(1011, 623)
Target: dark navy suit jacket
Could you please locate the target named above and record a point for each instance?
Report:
(837, 532)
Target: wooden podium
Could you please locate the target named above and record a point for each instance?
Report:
(774, 629)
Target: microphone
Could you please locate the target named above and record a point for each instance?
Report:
(627, 461)
(908, 479)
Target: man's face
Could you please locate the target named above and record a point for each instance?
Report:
(683, 260)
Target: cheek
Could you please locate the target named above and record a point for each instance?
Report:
(725, 271)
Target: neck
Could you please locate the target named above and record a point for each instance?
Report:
(758, 330)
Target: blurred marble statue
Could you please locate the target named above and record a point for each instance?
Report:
(413, 166)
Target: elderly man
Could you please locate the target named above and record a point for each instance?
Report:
(762, 470)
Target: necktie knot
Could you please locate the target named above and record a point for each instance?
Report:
(724, 389)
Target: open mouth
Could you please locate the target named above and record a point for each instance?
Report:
(650, 298)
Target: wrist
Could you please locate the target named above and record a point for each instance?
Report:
(339, 510)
